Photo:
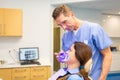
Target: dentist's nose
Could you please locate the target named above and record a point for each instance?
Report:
(64, 27)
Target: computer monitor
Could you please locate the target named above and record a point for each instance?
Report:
(28, 54)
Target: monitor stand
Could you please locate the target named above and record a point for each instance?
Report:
(27, 62)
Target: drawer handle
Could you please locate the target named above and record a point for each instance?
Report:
(4, 28)
(38, 75)
(40, 69)
(20, 70)
(0, 28)
(20, 77)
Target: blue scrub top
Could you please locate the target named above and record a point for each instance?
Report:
(93, 35)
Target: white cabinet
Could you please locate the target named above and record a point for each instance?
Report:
(111, 25)
(115, 66)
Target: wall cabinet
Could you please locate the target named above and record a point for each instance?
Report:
(10, 22)
(115, 65)
(25, 73)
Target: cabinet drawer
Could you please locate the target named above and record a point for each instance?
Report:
(40, 73)
(42, 70)
(21, 77)
(21, 74)
(39, 76)
(20, 70)
(5, 74)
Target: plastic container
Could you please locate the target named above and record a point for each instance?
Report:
(2, 62)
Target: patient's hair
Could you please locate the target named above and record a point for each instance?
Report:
(83, 53)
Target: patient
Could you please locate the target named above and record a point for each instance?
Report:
(78, 65)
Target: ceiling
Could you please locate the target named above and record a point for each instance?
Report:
(107, 6)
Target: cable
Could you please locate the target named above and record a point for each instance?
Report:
(12, 57)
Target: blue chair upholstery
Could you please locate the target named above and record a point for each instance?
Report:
(113, 76)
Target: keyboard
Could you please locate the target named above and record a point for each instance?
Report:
(29, 63)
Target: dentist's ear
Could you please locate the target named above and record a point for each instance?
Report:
(71, 13)
(88, 65)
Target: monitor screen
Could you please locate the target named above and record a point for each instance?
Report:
(28, 54)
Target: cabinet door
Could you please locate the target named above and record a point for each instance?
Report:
(1, 22)
(12, 22)
(40, 73)
(21, 74)
(5, 74)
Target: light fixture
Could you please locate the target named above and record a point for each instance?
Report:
(113, 14)
(119, 12)
(104, 20)
(108, 16)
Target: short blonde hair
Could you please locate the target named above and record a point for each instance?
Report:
(61, 9)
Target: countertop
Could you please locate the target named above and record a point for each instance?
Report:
(13, 65)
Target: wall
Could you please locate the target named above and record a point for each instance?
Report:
(110, 23)
(67, 1)
(37, 31)
(92, 15)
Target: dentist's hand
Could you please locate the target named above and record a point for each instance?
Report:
(57, 55)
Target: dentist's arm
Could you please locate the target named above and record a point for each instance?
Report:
(107, 59)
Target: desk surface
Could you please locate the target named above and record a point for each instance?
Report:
(18, 65)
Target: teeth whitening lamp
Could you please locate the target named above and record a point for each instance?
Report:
(63, 57)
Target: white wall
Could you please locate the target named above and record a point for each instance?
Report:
(111, 25)
(92, 15)
(37, 31)
(67, 1)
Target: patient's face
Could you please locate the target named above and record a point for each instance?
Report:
(71, 53)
